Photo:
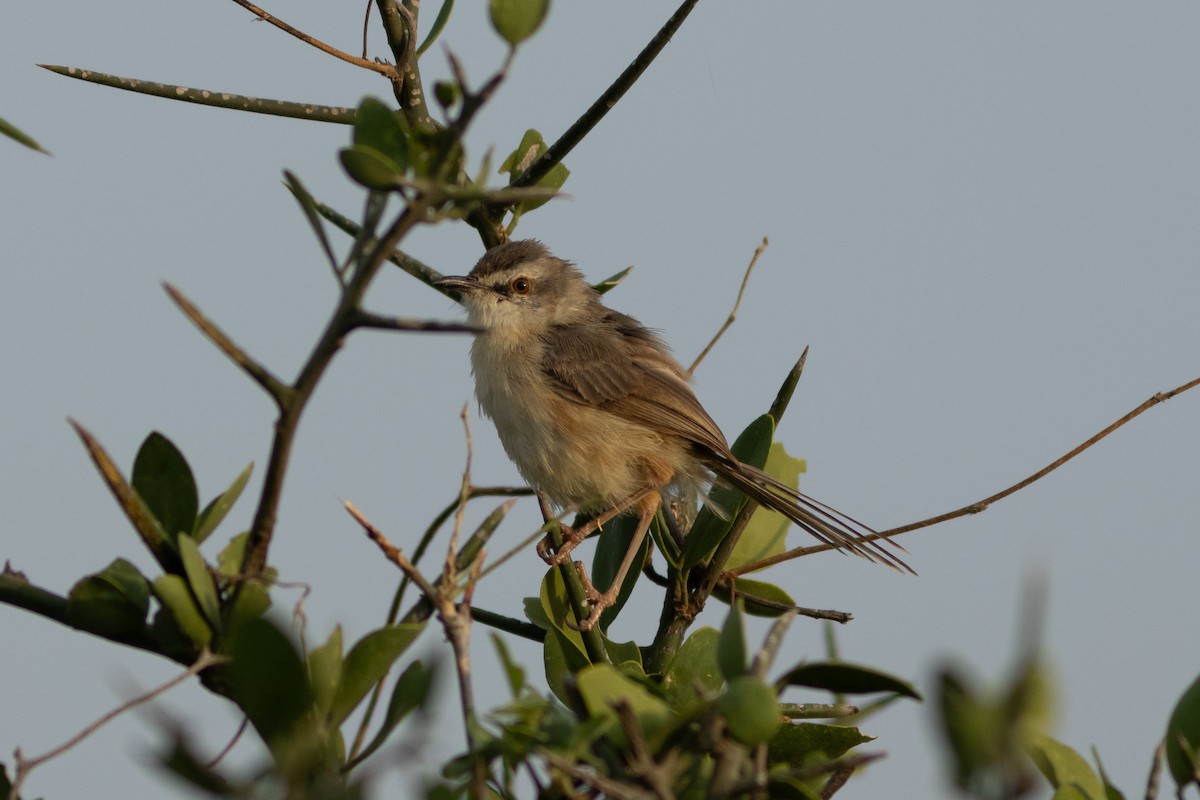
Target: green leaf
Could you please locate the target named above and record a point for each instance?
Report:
(163, 479)
(731, 646)
(517, 20)
(1111, 792)
(367, 662)
(200, 580)
(761, 599)
(602, 685)
(513, 671)
(379, 128)
(435, 30)
(325, 670)
(250, 602)
(561, 659)
(694, 668)
(1183, 737)
(219, 506)
(843, 678)
(112, 602)
(12, 132)
(709, 529)
(796, 744)
(751, 710)
(269, 681)
(172, 591)
(608, 284)
(410, 693)
(1063, 768)
(610, 552)
(766, 532)
(370, 168)
(557, 607)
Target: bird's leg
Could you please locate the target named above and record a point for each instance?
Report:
(572, 537)
(647, 505)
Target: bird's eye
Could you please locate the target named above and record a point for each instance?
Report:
(521, 285)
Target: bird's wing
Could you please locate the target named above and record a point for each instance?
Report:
(631, 375)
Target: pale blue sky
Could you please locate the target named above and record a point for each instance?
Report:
(983, 220)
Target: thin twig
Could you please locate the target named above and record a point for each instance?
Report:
(1155, 770)
(758, 251)
(390, 551)
(982, 505)
(212, 763)
(382, 69)
(605, 102)
(23, 766)
(774, 638)
(366, 319)
(260, 374)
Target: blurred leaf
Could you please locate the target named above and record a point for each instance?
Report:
(1183, 737)
(162, 478)
(611, 548)
(766, 533)
(325, 670)
(694, 667)
(251, 600)
(269, 681)
(219, 506)
(535, 613)
(435, 30)
(367, 662)
(709, 529)
(1110, 792)
(751, 710)
(796, 743)
(612, 282)
(1064, 768)
(172, 591)
(12, 132)
(517, 20)
(731, 646)
(370, 168)
(411, 691)
(229, 561)
(380, 129)
(513, 671)
(843, 678)
(761, 599)
(187, 765)
(201, 580)
(602, 685)
(113, 601)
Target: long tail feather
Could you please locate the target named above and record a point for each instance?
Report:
(825, 523)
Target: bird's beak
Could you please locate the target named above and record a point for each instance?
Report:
(459, 283)
(459, 286)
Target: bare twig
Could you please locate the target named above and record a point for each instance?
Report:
(758, 251)
(366, 319)
(982, 505)
(260, 374)
(24, 766)
(774, 638)
(1155, 770)
(212, 763)
(382, 69)
(604, 103)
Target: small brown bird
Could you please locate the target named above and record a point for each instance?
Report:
(596, 413)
